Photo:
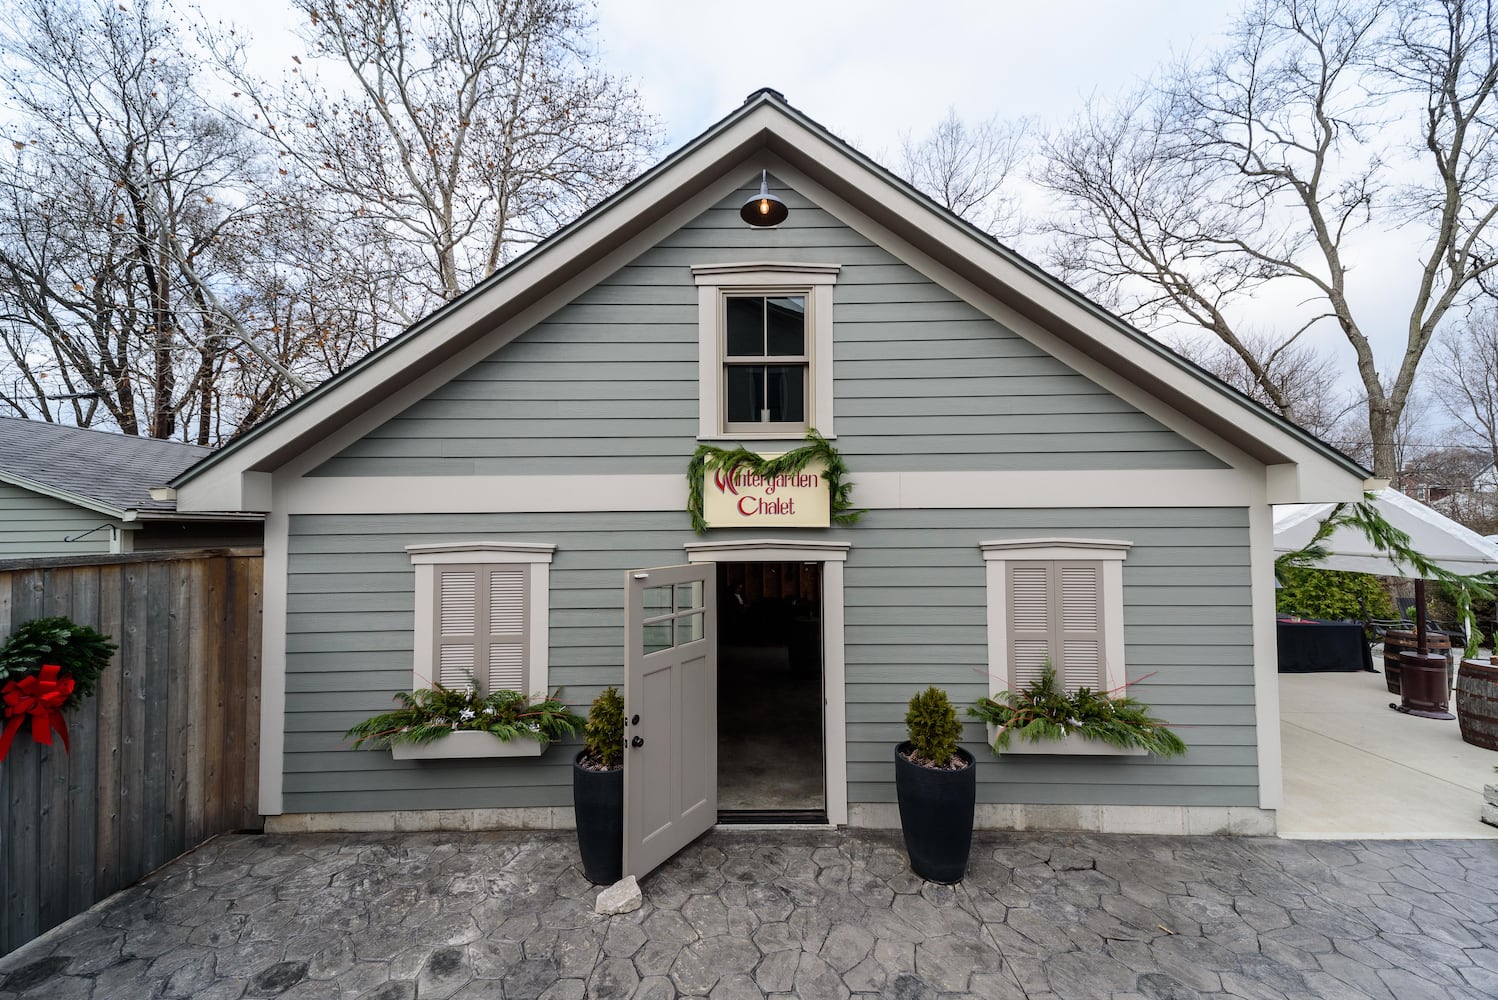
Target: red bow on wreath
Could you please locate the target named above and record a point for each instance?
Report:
(41, 696)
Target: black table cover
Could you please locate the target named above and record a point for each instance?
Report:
(1308, 646)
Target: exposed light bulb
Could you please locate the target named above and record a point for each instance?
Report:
(764, 206)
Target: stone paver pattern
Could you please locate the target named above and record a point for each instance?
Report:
(815, 914)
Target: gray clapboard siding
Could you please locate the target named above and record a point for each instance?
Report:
(915, 609)
(930, 382)
(32, 524)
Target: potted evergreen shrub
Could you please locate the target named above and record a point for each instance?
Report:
(598, 790)
(936, 784)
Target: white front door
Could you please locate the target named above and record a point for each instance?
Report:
(670, 711)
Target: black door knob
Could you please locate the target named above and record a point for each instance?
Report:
(637, 742)
(635, 721)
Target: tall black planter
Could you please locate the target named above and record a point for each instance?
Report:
(598, 800)
(936, 813)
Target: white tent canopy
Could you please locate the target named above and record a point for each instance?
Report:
(1438, 538)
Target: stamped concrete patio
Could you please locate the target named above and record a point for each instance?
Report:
(814, 914)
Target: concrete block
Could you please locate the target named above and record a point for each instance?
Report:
(1490, 814)
(1490, 793)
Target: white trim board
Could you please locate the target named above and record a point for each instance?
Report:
(1019, 489)
(834, 664)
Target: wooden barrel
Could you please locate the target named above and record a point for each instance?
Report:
(1477, 703)
(1397, 641)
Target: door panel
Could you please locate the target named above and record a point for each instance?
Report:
(671, 686)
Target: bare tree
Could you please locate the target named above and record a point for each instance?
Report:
(472, 129)
(119, 189)
(1306, 388)
(1466, 367)
(1259, 165)
(969, 169)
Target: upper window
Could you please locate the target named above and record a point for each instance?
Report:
(1056, 602)
(765, 349)
(481, 615)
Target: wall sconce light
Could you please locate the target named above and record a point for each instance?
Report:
(764, 209)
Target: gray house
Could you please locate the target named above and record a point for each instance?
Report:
(500, 493)
(66, 491)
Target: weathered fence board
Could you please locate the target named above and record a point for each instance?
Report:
(163, 756)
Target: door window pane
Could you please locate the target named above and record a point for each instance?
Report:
(657, 601)
(689, 628)
(657, 636)
(689, 595)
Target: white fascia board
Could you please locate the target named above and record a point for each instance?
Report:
(412, 364)
(66, 496)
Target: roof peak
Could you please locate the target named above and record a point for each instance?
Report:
(770, 92)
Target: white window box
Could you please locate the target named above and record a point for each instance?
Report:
(467, 744)
(1072, 746)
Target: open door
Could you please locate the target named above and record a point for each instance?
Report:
(670, 712)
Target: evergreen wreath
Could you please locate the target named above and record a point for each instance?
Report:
(431, 713)
(1041, 710)
(729, 460)
(82, 653)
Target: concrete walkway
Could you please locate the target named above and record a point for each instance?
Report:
(813, 914)
(1356, 769)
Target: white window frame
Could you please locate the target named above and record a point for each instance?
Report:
(715, 282)
(535, 556)
(998, 555)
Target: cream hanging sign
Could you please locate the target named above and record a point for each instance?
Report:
(740, 498)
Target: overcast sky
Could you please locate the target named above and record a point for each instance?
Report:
(874, 70)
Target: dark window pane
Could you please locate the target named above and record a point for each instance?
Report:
(785, 391)
(786, 319)
(746, 327)
(746, 393)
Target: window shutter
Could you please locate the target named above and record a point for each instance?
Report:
(1030, 633)
(507, 615)
(457, 630)
(1080, 624)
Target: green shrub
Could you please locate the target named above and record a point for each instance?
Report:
(1324, 593)
(603, 736)
(82, 652)
(933, 727)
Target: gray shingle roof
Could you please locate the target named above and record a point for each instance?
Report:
(113, 469)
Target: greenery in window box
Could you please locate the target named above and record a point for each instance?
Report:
(603, 735)
(81, 652)
(431, 713)
(1042, 710)
(708, 457)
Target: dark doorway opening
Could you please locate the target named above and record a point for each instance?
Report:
(771, 757)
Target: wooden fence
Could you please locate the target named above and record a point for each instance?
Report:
(164, 755)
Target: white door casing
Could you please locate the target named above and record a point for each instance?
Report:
(670, 711)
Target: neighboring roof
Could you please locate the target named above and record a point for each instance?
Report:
(101, 470)
(766, 126)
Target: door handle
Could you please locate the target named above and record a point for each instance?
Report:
(637, 742)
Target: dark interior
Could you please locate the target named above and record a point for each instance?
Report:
(770, 753)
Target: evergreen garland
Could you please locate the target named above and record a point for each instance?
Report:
(1043, 711)
(708, 457)
(431, 713)
(82, 653)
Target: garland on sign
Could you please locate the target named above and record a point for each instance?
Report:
(729, 460)
(48, 665)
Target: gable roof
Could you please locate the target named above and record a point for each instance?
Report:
(766, 131)
(103, 471)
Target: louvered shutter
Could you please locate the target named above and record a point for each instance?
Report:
(1030, 631)
(1079, 620)
(481, 616)
(507, 615)
(457, 614)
